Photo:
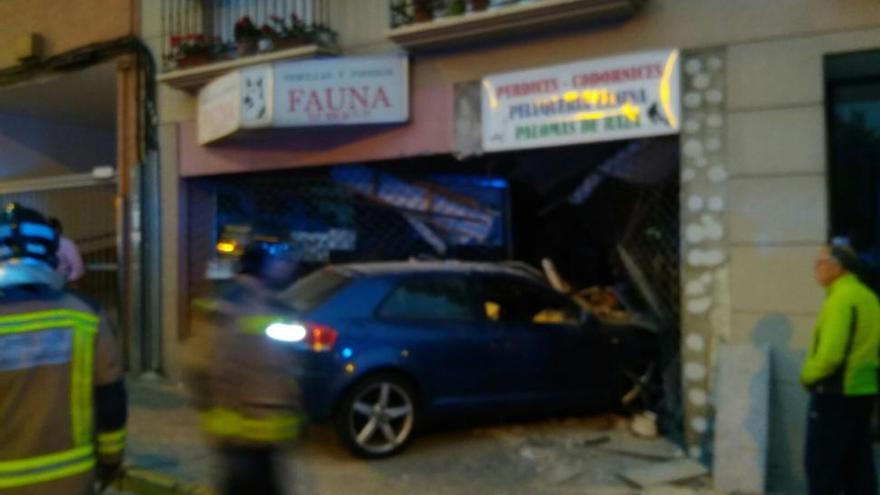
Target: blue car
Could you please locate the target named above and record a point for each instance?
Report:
(389, 346)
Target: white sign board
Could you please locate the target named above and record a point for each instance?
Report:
(623, 97)
(360, 90)
(219, 110)
(323, 92)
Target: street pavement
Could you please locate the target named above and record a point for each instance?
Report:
(549, 457)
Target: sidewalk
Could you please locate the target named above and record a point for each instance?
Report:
(548, 458)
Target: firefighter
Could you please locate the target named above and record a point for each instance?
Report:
(62, 396)
(239, 369)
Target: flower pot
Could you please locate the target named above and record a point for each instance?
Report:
(290, 42)
(246, 46)
(423, 12)
(265, 45)
(479, 5)
(192, 60)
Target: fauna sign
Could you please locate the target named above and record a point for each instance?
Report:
(335, 91)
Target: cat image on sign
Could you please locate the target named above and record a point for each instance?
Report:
(253, 100)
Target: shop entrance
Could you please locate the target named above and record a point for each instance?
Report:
(607, 220)
(604, 216)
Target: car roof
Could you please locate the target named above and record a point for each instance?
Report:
(395, 268)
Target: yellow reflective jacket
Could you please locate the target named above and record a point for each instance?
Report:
(57, 356)
(843, 356)
(242, 381)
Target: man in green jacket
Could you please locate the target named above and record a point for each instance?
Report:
(841, 373)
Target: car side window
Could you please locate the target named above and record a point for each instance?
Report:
(431, 298)
(508, 300)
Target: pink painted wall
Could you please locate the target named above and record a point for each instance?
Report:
(429, 132)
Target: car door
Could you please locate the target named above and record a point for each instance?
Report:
(439, 324)
(548, 352)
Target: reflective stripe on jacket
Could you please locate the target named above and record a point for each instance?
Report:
(241, 380)
(54, 351)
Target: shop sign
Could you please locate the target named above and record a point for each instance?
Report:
(322, 92)
(622, 97)
(219, 110)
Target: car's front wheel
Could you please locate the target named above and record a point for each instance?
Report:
(378, 416)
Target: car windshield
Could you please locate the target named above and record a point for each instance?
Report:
(312, 290)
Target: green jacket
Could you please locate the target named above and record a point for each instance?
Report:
(845, 350)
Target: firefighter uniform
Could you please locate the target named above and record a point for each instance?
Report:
(62, 398)
(242, 382)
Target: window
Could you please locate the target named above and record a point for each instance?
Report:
(431, 298)
(311, 291)
(507, 299)
(853, 113)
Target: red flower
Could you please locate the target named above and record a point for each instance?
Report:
(175, 41)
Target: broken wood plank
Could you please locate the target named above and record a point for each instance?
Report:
(664, 473)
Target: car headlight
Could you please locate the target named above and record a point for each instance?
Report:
(286, 332)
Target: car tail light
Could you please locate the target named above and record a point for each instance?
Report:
(320, 338)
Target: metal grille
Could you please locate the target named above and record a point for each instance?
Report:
(227, 12)
(352, 214)
(217, 18)
(649, 250)
(88, 215)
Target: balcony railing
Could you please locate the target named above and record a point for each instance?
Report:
(204, 37)
(440, 23)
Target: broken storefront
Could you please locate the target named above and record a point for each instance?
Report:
(575, 172)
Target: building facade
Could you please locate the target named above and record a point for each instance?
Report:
(764, 88)
(73, 139)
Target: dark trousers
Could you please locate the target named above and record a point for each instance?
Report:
(839, 454)
(249, 471)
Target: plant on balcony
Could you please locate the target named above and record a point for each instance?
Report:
(423, 10)
(288, 35)
(247, 36)
(298, 33)
(478, 5)
(193, 49)
(400, 15)
(456, 7)
(268, 40)
(323, 35)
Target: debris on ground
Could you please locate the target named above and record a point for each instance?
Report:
(566, 456)
(665, 473)
(669, 490)
(592, 440)
(645, 425)
(654, 450)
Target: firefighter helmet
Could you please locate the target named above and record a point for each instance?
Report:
(28, 246)
(25, 234)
